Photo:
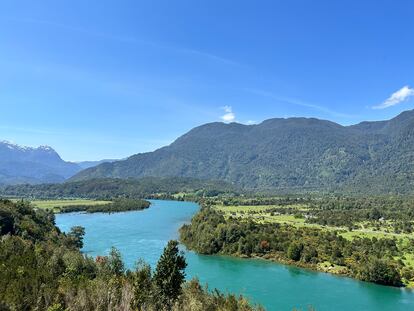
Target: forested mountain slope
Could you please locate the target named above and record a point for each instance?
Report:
(285, 154)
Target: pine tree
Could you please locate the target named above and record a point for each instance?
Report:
(169, 275)
(142, 285)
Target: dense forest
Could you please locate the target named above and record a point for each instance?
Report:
(285, 155)
(43, 269)
(109, 188)
(117, 205)
(276, 229)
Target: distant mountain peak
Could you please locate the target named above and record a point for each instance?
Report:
(45, 148)
(13, 146)
(23, 164)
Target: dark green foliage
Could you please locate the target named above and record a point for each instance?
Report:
(194, 298)
(20, 219)
(114, 262)
(210, 233)
(43, 269)
(169, 275)
(379, 271)
(118, 205)
(294, 251)
(6, 222)
(348, 211)
(143, 286)
(75, 236)
(287, 155)
(110, 188)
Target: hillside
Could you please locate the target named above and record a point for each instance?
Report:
(19, 164)
(88, 164)
(284, 154)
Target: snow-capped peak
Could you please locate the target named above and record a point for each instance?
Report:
(45, 147)
(12, 146)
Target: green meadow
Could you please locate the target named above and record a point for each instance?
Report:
(57, 204)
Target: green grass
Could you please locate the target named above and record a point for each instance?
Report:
(261, 214)
(361, 233)
(366, 233)
(56, 204)
(257, 208)
(267, 214)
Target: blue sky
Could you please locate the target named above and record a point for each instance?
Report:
(107, 79)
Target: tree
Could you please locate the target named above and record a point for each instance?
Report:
(294, 251)
(116, 266)
(169, 275)
(264, 246)
(6, 222)
(375, 214)
(76, 235)
(381, 272)
(142, 285)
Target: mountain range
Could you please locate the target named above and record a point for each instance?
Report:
(21, 164)
(88, 164)
(284, 154)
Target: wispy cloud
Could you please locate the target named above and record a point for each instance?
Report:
(228, 115)
(128, 39)
(250, 122)
(397, 97)
(297, 102)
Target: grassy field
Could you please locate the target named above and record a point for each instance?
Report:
(262, 214)
(257, 208)
(56, 204)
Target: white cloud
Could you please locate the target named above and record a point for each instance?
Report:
(229, 115)
(251, 122)
(396, 98)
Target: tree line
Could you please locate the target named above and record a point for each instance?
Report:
(117, 205)
(366, 259)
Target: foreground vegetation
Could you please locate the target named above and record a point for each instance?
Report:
(42, 268)
(368, 239)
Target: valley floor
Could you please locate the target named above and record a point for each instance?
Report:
(324, 235)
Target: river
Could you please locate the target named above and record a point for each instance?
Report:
(143, 234)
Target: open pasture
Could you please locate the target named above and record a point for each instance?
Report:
(56, 204)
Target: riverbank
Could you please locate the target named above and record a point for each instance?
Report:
(91, 206)
(44, 269)
(144, 234)
(372, 260)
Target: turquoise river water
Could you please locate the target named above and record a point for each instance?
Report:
(143, 234)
